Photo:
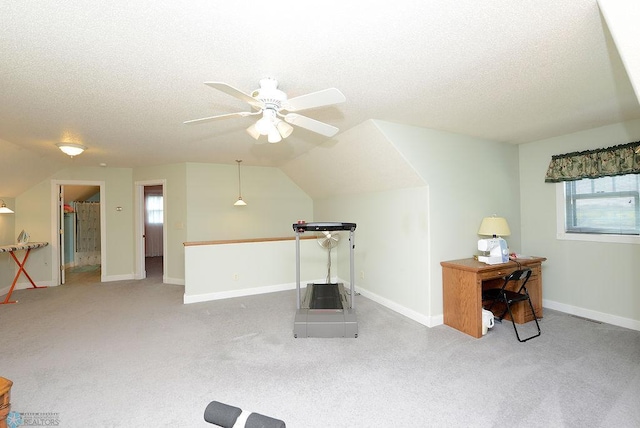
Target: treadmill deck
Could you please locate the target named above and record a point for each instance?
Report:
(322, 313)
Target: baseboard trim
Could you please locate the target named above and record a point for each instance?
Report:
(175, 281)
(111, 278)
(594, 315)
(219, 295)
(26, 285)
(402, 310)
(409, 313)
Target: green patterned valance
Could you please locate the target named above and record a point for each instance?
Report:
(616, 160)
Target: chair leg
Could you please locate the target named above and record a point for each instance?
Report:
(535, 318)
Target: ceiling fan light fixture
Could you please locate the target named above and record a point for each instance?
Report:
(274, 136)
(264, 126)
(284, 128)
(71, 149)
(267, 122)
(253, 131)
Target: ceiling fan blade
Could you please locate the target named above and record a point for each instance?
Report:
(220, 116)
(234, 92)
(311, 124)
(315, 99)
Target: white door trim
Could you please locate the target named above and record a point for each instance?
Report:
(140, 272)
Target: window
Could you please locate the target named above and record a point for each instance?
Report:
(607, 205)
(154, 208)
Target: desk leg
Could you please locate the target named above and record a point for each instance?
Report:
(462, 301)
(15, 280)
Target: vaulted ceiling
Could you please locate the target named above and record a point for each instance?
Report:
(122, 77)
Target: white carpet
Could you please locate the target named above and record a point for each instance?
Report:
(130, 354)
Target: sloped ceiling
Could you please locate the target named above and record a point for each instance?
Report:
(359, 160)
(623, 19)
(121, 77)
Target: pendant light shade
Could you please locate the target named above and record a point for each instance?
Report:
(4, 209)
(239, 202)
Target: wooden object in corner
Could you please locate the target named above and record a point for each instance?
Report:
(462, 284)
(5, 400)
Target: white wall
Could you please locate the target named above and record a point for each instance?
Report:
(391, 246)
(33, 214)
(238, 269)
(274, 203)
(7, 236)
(468, 179)
(403, 234)
(593, 279)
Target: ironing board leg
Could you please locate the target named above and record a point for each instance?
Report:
(21, 269)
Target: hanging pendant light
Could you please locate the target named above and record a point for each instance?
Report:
(239, 202)
(4, 209)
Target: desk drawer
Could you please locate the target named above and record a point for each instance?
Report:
(504, 271)
(496, 274)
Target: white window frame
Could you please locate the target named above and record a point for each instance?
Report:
(147, 210)
(591, 237)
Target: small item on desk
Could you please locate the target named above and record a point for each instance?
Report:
(497, 249)
(515, 256)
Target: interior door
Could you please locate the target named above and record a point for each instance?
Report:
(61, 278)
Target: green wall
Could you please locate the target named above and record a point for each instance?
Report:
(593, 279)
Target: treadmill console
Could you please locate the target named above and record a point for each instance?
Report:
(321, 227)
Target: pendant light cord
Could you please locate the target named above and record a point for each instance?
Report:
(239, 182)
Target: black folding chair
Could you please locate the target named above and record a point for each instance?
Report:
(509, 297)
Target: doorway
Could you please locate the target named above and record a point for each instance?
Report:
(151, 233)
(78, 231)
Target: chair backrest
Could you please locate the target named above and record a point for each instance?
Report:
(518, 275)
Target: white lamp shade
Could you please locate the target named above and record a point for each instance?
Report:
(240, 202)
(494, 226)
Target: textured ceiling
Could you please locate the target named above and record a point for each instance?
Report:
(121, 77)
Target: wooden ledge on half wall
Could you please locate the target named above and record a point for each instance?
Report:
(244, 241)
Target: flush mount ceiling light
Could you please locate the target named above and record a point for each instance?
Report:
(4, 209)
(71, 149)
(239, 202)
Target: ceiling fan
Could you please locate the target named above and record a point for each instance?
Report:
(270, 102)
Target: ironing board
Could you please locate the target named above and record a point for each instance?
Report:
(11, 249)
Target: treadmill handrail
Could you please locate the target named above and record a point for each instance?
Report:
(323, 226)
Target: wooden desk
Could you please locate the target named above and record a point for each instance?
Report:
(462, 284)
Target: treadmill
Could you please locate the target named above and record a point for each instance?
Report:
(326, 310)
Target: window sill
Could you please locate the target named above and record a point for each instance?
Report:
(594, 237)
